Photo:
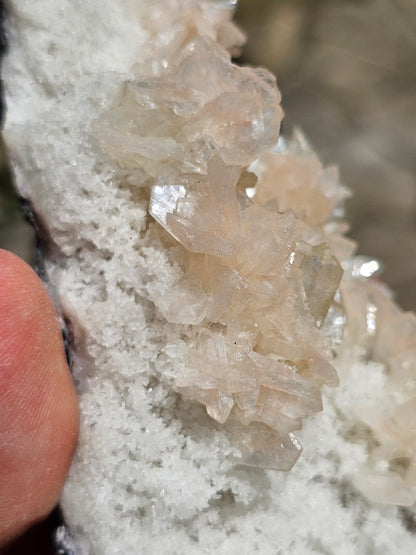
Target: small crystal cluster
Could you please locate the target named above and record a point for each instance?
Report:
(259, 221)
(387, 335)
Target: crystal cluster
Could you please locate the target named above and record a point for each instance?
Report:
(387, 335)
(258, 220)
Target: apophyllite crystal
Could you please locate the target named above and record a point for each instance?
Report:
(259, 221)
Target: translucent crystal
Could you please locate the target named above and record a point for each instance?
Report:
(368, 307)
(321, 275)
(334, 324)
(163, 201)
(184, 304)
(261, 446)
(293, 177)
(257, 219)
(202, 105)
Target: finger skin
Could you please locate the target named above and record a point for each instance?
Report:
(38, 404)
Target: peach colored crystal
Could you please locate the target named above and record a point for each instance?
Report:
(257, 220)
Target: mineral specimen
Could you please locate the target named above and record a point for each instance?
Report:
(229, 295)
(259, 221)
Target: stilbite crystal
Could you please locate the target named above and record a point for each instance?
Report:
(257, 220)
(260, 222)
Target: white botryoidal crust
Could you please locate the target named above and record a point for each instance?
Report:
(153, 473)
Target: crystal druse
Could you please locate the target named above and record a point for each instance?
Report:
(260, 223)
(204, 134)
(200, 261)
